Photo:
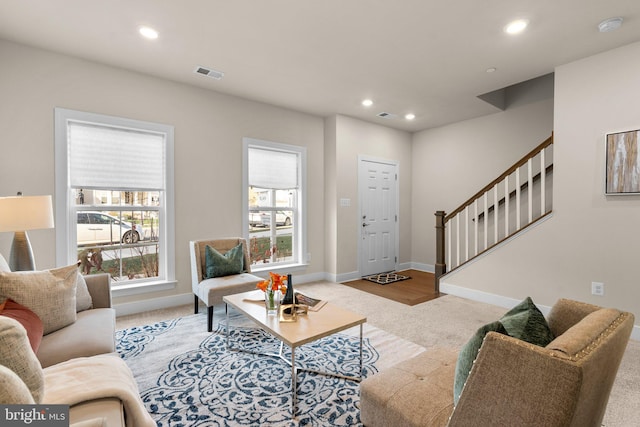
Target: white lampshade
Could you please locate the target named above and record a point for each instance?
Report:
(21, 213)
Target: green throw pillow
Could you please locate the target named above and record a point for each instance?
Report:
(468, 354)
(527, 323)
(218, 265)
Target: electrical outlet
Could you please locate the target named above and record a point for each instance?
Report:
(597, 288)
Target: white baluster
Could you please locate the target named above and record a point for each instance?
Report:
(543, 181)
(530, 189)
(495, 214)
(506, 206)
(466, 233)
(518, 199)
(486, 221)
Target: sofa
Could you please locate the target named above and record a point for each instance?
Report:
(510, 381)
(74, 360)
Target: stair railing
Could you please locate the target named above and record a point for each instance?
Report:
(518, 198)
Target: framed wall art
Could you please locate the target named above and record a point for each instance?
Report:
(623, 163)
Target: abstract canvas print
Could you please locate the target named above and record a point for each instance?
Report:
(623, 163)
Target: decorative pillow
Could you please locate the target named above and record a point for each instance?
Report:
(51, 294)
(83, 297)
(27, 318)
(13, 391)
(468, 354)
(16, 354)
(527, 323)
(3, 264)
(217, 264)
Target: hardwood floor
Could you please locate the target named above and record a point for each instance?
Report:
(420, 288)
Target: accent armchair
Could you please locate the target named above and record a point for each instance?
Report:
(211, 290)
(511, 383)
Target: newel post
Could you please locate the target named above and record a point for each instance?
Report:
(441, 267)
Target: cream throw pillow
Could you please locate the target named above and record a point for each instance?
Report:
(13, 391)
(83, 297)
(3, 264)
(17, 355)
(50, 294)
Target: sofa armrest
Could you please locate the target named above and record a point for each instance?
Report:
(516, 383)
(99, 286)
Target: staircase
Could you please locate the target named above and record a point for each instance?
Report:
(517, 199)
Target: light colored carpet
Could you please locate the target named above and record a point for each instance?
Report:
(447, 321)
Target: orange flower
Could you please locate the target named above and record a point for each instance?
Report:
(276, 282)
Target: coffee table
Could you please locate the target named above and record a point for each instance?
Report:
(309, 327)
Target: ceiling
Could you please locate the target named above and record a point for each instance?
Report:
(324, 57)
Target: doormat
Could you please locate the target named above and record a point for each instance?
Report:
(386, 278)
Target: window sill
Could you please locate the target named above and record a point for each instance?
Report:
(141, 288)
(278, 268)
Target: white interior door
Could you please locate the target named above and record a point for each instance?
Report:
(378, 186)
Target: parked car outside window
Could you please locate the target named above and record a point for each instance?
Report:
(100, 228)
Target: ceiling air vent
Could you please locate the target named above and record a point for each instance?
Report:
(385, 115)
(214, 74)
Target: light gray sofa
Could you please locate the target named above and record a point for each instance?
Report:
(92, 333)
(75, 365)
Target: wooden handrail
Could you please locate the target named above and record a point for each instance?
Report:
(508, 172)
(442, 219)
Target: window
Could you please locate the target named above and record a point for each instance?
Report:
(114, 197)
(274, 196)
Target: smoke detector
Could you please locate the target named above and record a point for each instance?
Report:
(610, 24)
(209, 72)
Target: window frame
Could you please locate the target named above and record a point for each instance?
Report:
(65, 206)
(300, 211)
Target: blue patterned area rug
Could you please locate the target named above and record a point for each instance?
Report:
(187, 377)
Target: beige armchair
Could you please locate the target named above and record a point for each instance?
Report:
(512, 383)
(211, 291)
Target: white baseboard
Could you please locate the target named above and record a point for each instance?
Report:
(153, 304)
(345, 277)
(420, 267)
(479, 296)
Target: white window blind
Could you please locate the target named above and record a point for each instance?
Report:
(272, 169)
(115, 158)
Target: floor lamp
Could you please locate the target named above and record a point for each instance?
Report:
(20, 214)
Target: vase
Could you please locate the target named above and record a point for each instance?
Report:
(272, 302)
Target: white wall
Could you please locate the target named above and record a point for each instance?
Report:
(355, 137)
(209, 128)
(452, 163)
(591, 237)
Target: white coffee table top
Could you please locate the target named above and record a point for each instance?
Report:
(309, 327)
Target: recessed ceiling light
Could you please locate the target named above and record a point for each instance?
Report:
(491, 70)
(148, 33)
(410, 116)
(517, 26)
(610, 24)
(367, 103)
